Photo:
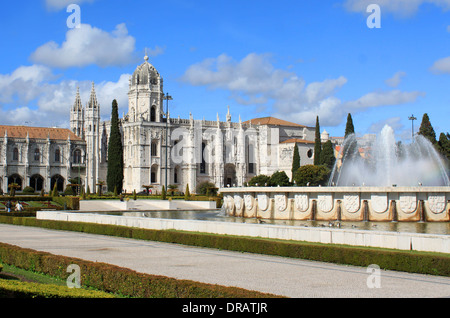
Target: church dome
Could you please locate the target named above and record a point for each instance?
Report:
(145, 74)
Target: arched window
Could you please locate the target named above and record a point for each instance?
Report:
(154, 174)
(203, 164)
(153, 114)
(37, 182)
(77, 156)
(37, 154)
(16, 154)
(57, 155)
(154, 149)
(175, 175)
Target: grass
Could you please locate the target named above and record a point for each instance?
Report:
(14, 273)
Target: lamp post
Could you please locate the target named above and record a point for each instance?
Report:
(412, 119)
(167, 98)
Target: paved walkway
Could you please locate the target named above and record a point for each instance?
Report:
(277, 275)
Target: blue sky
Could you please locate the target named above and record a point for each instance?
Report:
(289, 59)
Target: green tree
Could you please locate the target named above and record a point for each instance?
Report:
(444, 146)
(202, 187)
(55, 191)
(258, 181)
(279, 178)
(317, 144)
(311, 175)
(163, 193)
(115, 153)
(427, 130)
(327, 155)
(295, 161)
(349, 128)
(350, 146)
(187, 193)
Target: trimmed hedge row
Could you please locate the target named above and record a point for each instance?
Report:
(118, 280)
(406, 261)
(17, 289)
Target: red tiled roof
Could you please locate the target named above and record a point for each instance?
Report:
(271, 121)
(38, 133)
(297, 140)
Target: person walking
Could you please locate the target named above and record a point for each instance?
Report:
(19, 207)
(8, 206)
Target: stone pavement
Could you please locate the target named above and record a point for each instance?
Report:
(276, 275)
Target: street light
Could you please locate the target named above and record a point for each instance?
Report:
(412, 119)
(167, 97)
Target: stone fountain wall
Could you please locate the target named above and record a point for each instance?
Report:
(414, 204)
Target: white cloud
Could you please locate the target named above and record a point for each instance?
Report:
(403, 8)
(255, 81)
(23, 84)
(86, 46)
(48, 101)
(55, 5)
(441, 66)
(395, 80)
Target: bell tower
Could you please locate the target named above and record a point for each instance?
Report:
(145, 95)
(92, 137)
(77, 116)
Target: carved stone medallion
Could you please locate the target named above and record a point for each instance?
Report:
(351, 202)
(301, 202)
(325, 202)
(238, 202)
(436, 203)
(248, 201)
(408, 202)
(263, 202)
(280, 202)
(379, 202)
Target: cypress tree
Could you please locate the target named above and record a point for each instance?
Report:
(187, 193)
(163, 193)
(327, 155)
(115, 153)
(444, 146)
(350, 149)
(349, 128)
(427, 130)
(295, 161)
(317, 144)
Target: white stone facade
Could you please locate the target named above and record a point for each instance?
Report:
(160, 150)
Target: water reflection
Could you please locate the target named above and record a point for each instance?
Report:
(217, 215)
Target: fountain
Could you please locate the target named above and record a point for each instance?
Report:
(398, 197)
(393, 182)
(390, 163)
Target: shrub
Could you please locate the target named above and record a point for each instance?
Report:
(202, 188)
(69, 191)
(28, 190)
(187, 194)
(312, 175)
(16, 289)
(259, 181)
(279, 178)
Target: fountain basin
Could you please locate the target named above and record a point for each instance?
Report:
(413, 204)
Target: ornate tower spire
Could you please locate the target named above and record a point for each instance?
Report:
(77, 106)
(77, 116)
(93, 98)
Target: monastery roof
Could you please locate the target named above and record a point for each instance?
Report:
(38, 133)
(297, 140)
(272, 121)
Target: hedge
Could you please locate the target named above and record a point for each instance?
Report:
(406, 261)
(118, 280)
(17, 289)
